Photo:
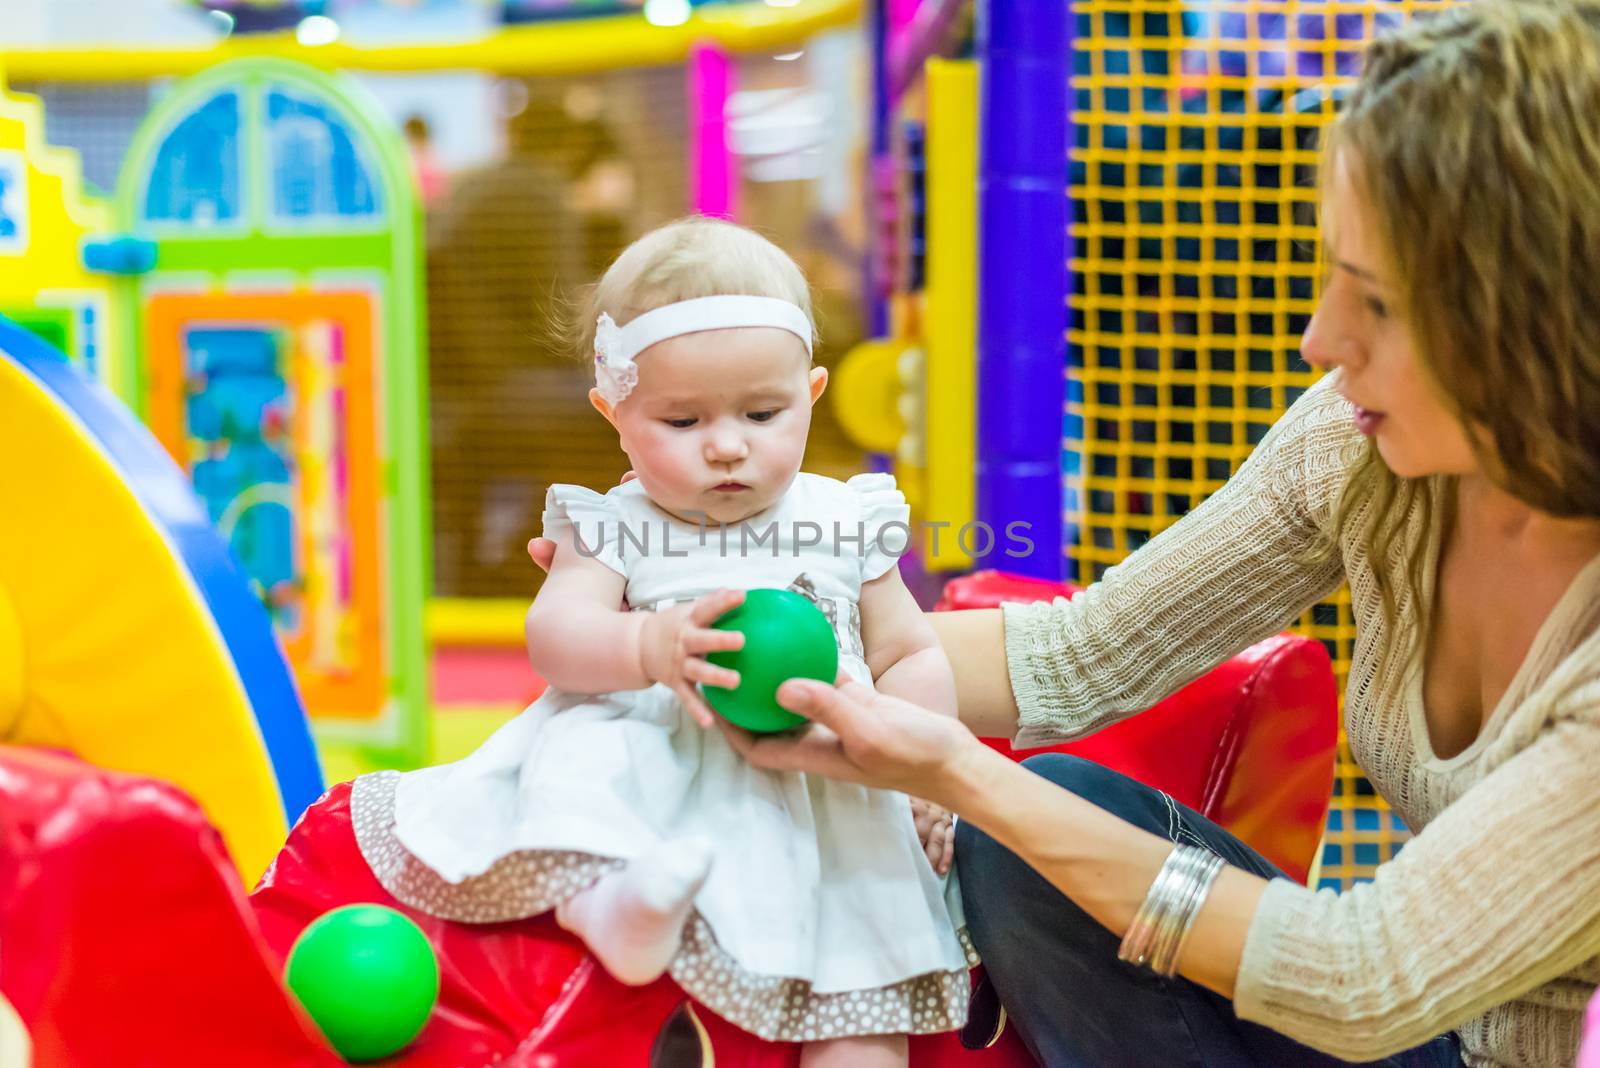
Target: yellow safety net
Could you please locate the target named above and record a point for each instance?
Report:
(1194, 271)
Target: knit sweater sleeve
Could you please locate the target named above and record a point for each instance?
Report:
(1230, 573)
(1497, 896)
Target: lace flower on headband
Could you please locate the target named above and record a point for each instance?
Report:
(615, 373)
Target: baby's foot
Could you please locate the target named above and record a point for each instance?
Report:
(632, 920)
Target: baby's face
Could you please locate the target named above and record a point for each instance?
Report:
(717, 425)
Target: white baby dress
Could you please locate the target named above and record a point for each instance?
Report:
(821, 916)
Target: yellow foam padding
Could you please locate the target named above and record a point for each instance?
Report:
(864, 394)
(124, 665)
(476, 621)
(951, 311)
(11, 666)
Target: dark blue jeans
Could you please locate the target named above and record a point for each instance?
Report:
(1056, 971)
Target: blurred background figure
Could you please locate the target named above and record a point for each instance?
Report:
(508, 248)
(425, 163)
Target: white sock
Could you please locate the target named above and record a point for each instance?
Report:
(632, 920)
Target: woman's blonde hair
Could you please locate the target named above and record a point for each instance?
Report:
(693, 257)
(1475, 138)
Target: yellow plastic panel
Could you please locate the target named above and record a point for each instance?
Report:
(864, 394)
(124, 663)
(40, 262)
(951, 312)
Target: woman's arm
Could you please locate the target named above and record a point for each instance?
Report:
(1497, 896)
(974, 641)
(1102, 863)
(1235, 570)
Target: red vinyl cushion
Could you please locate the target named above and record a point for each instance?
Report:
(125, 935)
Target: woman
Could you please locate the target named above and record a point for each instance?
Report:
(1460, 322)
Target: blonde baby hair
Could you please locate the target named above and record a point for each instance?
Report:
(686, 259)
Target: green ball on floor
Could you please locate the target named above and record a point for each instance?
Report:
(785, 637)
(367, 977)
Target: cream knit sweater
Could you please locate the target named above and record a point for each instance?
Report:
(1488, 921)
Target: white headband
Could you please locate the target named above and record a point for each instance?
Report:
(615, 373)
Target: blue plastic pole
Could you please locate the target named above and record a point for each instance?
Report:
(1025, 50)
(880, 171)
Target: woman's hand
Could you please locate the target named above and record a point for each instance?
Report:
(673, 644)
(859, 735)
(936, 830)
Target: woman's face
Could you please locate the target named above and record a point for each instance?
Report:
(1360, 330)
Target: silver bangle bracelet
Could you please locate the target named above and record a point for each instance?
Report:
(1197, 887)
(1206, 879)
(1170, 909)
(1141, 933)
(1170, 924)
(1161, 927)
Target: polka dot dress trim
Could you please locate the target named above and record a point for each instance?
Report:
(527, 883)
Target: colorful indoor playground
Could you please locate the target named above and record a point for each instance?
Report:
(286, 290)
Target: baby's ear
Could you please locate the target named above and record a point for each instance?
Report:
(603, 406)
(819, 382)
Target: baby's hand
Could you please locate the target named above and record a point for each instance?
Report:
(937, 832)
(675, 640)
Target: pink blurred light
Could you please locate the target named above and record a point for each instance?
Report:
(712, 179)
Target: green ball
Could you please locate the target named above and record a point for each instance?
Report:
(368, 978)
(785, 637)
